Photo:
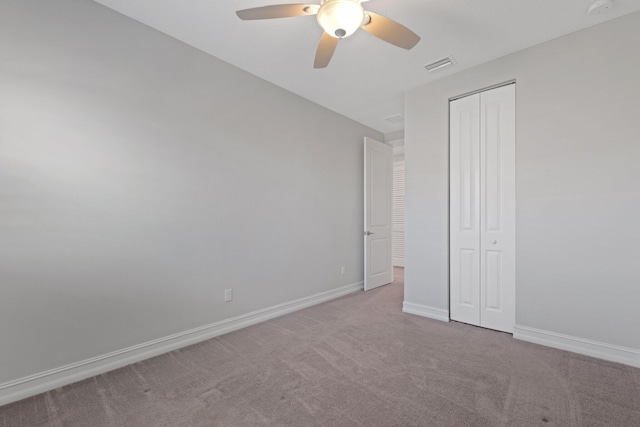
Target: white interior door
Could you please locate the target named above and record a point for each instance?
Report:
(378, 185)
(464, 186)
(498, 208)
(482, 209)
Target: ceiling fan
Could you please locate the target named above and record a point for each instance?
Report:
(338, 19)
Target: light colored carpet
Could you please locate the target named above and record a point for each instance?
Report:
(354, 361)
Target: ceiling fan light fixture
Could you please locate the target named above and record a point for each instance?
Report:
(340, 18)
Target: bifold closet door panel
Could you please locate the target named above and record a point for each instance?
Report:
(497, 208)
(465, 209)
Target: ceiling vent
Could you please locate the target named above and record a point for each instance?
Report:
(395, 119)
(442, 63)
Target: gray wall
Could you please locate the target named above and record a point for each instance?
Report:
(578, 182)
(140, 177)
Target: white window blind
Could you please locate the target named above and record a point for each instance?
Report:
(398, 214)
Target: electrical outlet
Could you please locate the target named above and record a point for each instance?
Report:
(228, 295)
(343, 270)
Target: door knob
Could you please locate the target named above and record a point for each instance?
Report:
(368, 233)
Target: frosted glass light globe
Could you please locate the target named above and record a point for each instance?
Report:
(340, 18)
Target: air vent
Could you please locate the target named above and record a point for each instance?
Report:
(442, 63)
(398, 118)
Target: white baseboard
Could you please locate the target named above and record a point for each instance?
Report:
(426, 311)
(614, 353)
(64, 375)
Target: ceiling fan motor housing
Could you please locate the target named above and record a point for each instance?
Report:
(340, 18)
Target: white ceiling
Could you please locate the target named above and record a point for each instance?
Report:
(367, 77)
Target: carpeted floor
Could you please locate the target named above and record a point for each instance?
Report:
(354, 361)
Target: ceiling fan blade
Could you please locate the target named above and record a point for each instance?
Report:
(390, 31)
(278, 11)
(325, 50)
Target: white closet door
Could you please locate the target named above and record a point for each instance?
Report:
(497, 208)
(482, 209)
(465, 209)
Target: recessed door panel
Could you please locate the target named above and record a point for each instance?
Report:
(492, 166)
(468, 280)
(468, 177)
(380, 189)
(493, 280)
(380, 256)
